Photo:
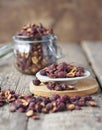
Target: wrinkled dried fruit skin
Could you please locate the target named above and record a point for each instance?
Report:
(21, 109)
(63, 70)
(31, 105)
(38, 107)
(36, 82)
(54, 97)
(58, 86)
(33, 56)
(65, 98)
(61, 107)
(31, 61)
(34, 30)
(43, 72)
(49, 106)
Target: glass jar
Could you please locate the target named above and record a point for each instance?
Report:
(33, 55)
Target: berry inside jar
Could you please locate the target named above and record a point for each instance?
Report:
(35, 48)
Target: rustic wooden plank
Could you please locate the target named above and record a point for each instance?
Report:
(18, 121)
(4, 118)
(23, 85)
(9, 78)
(75, 120)
(93, 51)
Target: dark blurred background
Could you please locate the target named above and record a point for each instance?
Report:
(72, 20)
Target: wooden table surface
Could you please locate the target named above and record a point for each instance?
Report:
(87, 54)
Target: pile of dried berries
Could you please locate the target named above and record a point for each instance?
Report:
(34, 53)
(62, 70)
(31, 105)
(32, 61)
(58, 86)
(34, 30)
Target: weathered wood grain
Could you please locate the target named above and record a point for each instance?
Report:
(4, 118)
(93, 51)
(17, 121)
(88, 118)
(75, 120)
(9, 78)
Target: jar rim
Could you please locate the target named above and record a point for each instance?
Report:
(24, 40)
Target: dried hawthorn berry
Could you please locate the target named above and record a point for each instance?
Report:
(65, 98)
(21, 109)
(59, 100)
(62, 70)
(43, 72)
(61, 74)
(36, 82)
(54, 97)
(61, 107)
(49, 106)
(29, 104)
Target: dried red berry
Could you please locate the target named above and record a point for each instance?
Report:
(61, 107)
(54, 97)
(43, 72)
(21, 109)
(36, 82)
(49, 106)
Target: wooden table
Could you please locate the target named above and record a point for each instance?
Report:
(88, 54)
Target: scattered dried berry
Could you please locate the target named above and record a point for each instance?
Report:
(21, 109)
(58, 86)
(31, 105)
(61, 107)
(36, 82)
(54, 97)
(49, 106)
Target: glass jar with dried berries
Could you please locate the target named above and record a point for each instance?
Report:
(33, 54)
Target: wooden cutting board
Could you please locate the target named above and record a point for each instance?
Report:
(83, 87)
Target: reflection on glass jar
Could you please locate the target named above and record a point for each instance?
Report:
(31, 55)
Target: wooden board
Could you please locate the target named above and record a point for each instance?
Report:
(82, 88)
(93, 51)
(86, 119)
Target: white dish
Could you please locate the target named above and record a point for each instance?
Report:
(46, 78)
